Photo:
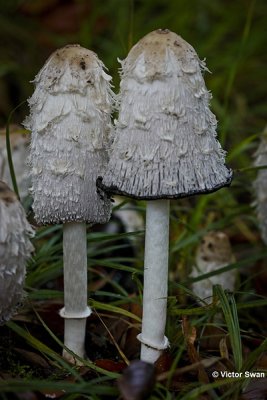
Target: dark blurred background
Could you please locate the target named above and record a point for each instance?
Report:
(231, 35)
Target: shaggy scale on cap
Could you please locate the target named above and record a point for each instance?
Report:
(70, 124)
(165, 144)
(15, 249)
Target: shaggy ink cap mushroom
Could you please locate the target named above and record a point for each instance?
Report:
(70, 123)
(15, 250)
(165, 145)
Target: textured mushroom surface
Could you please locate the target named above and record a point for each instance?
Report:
(260, 186)
(70, 124)
(165, 142)
(15, 249)
(214, 252)
(20, 151)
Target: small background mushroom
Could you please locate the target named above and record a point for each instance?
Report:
(19, 141)
(15, 250)
(260, 185)
(213, 252)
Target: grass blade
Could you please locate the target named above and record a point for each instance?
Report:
(229, 309)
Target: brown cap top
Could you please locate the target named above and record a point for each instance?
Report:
(70, 123)
(148, 57)
(165, 143)
(7, 196)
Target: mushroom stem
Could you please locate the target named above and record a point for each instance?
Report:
(155, 280)
(75, 309)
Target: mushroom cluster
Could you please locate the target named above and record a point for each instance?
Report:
(70, 124)
(165, 147)
(15, 250)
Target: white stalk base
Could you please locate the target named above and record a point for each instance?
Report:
(75, 309)
(155, 281)
(74, 339)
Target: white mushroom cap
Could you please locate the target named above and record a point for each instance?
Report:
(165, 144)
(70, 123)
(15, 249)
